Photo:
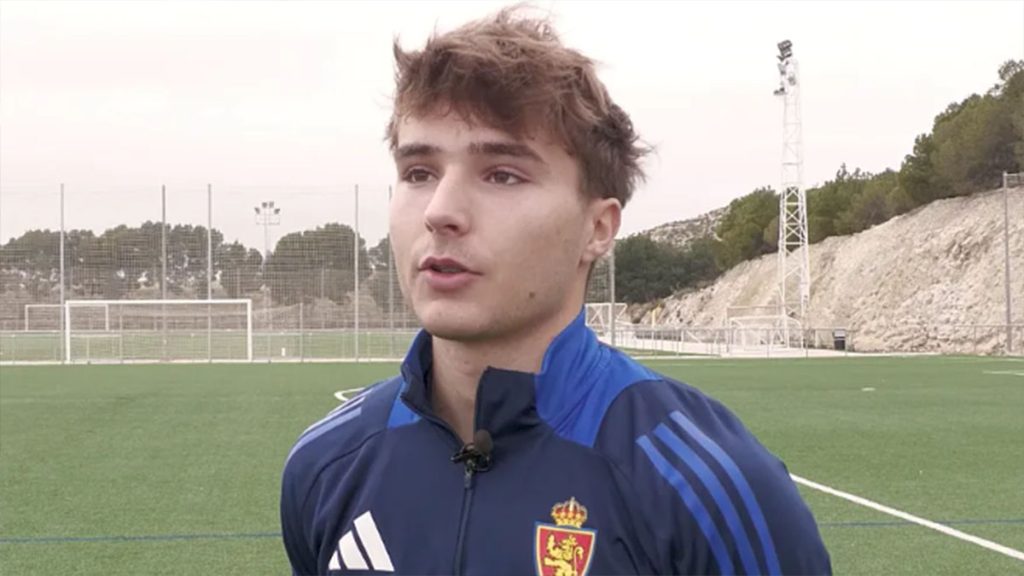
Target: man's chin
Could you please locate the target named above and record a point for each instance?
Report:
(454, 324)
(455, 331)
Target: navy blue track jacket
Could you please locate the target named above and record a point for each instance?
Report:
(597, 466)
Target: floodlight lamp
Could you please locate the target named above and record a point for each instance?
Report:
(785, 49)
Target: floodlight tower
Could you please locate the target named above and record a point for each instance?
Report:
(794, 262)
(267, 215)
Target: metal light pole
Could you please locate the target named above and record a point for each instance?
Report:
(267, 215)
(1009, 181)
(793, 256)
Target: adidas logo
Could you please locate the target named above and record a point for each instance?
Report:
(350, 557)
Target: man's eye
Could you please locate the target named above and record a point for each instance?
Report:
(504, 178)
(417, 176)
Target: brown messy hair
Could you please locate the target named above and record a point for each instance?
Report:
(513, 74)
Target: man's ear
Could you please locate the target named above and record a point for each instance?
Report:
(605, 217)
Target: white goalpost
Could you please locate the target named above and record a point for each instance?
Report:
(754, 329)
(43, 317)
(601, 315)
(122, 331)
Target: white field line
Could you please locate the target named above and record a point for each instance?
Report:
(1007, 551)
(344, 395)
(1003, 372)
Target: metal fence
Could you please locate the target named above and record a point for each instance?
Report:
(315, 266)
(967, 339)
(315, 262)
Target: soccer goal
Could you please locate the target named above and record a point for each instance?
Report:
(105, 331)
(757, 328)
(43, 317)
(600, 315)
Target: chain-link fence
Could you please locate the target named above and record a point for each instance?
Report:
(290, 274)
(313, 263)
(969, 339)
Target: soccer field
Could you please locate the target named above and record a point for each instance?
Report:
(174, 469)
(150, 346)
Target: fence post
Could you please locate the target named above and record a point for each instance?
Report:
(163, 268)
(1006, 258)
(62, 297)
(209, 272)
(355, 272)
(391, 288)
(66, 336)
(611, 284)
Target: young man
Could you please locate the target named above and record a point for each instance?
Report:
(513, 441)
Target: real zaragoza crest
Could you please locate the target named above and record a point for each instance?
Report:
(565, 548)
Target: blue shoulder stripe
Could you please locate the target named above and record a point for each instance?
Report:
(336, 412)
(400, 414)
(339, 419)
(718, 494)
(741, 484)
(693, 504)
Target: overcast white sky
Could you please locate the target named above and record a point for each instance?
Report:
(287, 101)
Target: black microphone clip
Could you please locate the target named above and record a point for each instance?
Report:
(477, 454)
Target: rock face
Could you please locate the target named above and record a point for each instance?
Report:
(928, 280)
(682, 232)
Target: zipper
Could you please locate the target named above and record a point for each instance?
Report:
(467, 486)
(467, 491)
(467, 501)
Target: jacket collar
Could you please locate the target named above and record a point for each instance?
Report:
(509, 400)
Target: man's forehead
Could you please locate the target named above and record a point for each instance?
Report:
(447, 126)
(450, 130)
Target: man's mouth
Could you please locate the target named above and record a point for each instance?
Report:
(443, 266)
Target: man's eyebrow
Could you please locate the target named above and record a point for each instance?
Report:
(514, 149)
(415, 149)
(495, 148)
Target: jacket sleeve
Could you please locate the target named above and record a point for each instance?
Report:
(715, 500)
(296, 523)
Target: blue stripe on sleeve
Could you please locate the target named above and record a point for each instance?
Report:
(740, 482)
(693, 504)
(401, 415)
(335, 413)
(338, 421)
(714, 486)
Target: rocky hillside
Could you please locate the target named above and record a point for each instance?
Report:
(682, 232)
(922, 281)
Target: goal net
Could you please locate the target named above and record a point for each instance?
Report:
(600, 315)
(42, 317)
(157, 330)
(752, 328)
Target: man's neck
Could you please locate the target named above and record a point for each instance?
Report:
(458, 366)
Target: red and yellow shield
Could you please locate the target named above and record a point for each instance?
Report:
(565, 548)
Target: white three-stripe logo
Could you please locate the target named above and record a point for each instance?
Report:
(349, 555)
